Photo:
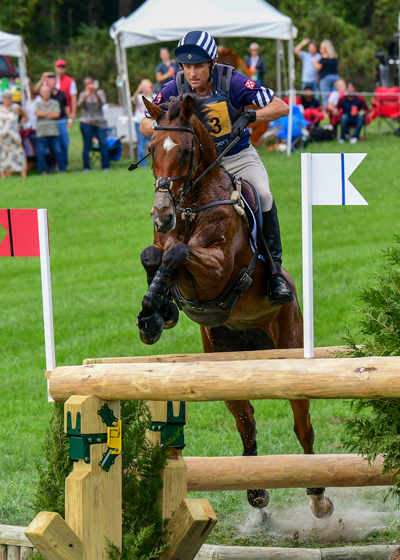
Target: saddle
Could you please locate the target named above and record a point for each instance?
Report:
(252, 198)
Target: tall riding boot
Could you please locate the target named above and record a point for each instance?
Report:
(279, 291)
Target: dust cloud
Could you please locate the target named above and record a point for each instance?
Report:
(356, 515)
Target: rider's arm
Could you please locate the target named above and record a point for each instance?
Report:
(146, 126)
(273, 111)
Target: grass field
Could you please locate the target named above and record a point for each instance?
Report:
(99, 223)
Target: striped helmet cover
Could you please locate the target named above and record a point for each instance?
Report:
(203, 40)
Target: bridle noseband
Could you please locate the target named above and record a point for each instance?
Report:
(164, 184)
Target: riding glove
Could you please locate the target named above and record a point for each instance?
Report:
(240, 125)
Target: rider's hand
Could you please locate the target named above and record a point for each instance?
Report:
(240, 125)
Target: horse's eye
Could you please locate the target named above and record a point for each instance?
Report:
(186, 153)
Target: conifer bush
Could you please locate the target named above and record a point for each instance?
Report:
(375, 429)
(142, 524)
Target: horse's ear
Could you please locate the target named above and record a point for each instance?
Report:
(187, 108)
(154, 110)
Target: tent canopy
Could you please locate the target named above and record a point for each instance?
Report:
(221, 18)
(12, 45)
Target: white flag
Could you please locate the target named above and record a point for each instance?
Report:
(330, 185)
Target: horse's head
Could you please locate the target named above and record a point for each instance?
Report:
(177, 149)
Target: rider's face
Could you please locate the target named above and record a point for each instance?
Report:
(197, 74)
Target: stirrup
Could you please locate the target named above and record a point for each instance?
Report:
(284, 298)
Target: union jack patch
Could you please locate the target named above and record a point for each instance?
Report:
(249, 84)
(158, 98)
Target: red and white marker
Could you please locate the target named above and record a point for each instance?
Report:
(28, 236)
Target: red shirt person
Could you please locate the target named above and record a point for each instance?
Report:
(67, 85)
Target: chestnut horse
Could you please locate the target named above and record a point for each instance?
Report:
(198, 258)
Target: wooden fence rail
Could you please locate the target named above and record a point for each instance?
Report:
(13, 543)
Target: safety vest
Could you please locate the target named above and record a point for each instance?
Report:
(221, 113)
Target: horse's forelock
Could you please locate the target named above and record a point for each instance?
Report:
(200, 108)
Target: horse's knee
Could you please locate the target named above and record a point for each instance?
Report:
(151, 259)
(175, 255)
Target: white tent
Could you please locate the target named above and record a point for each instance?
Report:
(167, 20)
(13, 45)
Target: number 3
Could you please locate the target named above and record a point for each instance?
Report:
(216, 126)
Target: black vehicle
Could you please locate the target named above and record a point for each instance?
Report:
(387, 71)
(7, 69)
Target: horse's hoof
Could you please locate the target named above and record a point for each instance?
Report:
(150, 328)
(170, 313)
(321, 506)
(258, 498)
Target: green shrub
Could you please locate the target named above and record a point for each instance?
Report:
(376, 431)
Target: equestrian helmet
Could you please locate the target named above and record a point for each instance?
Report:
(196, 47)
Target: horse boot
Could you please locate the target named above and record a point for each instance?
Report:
(279, 291)
(168, 310)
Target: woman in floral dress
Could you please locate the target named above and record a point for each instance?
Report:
(12, 154)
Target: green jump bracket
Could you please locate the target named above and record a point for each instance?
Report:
(79, 444)
(172, 430)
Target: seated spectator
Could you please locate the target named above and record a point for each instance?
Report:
(353, 109)
(93, 123)
(334, 96)
(145, 89)
(256, 64)
(47, 134)
(308, 100)
(12, 155)
(165, 70)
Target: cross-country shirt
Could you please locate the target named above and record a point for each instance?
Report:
(243, 92)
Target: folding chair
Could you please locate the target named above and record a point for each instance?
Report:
(299, 122)
(387, 106)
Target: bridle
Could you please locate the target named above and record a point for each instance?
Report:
(165, 184)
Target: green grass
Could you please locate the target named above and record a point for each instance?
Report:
(99, 223)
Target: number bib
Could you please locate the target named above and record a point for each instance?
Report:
(221, 115)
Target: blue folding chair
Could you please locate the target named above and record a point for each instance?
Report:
(299, 122)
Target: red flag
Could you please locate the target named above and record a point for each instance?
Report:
(22, 238)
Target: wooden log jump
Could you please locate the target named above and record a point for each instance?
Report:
(345, 378)
(283, 471)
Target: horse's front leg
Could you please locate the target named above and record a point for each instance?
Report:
(151, 322)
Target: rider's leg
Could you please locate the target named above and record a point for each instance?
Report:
(248, 165)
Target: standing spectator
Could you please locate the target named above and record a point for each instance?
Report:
(256, 64)
(165, 70)
(327, 67)
(93, 123)
(12, 155)
(353, 109)
(65, 113)
(30, 107)
(145, 89)
(67, 85)
(309, 75)
(47, 133)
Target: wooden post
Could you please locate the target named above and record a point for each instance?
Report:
(191, 521)
(93, 497)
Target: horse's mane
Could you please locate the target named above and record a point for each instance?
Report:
(201, 109)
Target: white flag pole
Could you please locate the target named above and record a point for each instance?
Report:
(46, 294)
(306, 212)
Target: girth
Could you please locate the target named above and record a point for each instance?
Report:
(217, 312)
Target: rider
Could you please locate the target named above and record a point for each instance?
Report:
(229, 92)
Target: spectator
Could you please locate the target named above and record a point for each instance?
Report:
(353, 109)
(165, 70)
(309, 74)
(30, 107)
(12, 155)
(93, 123)
(334, 96)
(308, 99)
(145, 89)
(65, 113)
(256, 64)
(67, 85)
(327, 67)
(47, 133)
